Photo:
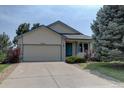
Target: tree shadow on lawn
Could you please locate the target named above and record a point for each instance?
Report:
(116, 68)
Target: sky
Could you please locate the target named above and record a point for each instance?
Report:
(78, 17)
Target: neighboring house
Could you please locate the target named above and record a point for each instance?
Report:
(53, 43)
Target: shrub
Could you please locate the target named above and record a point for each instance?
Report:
(70, 59)
(75, 59)
(80, 60)
(12, 56)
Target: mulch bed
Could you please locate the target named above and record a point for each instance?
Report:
(7, 71)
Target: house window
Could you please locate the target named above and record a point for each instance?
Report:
(80, 47)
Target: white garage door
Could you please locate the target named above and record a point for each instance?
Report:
(41, 53)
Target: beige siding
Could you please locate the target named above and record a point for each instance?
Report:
(62, 29)
(46, 45)
(41, 53)
(41, 45)
(41, 36)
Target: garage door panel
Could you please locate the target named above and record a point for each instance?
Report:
(41, 53)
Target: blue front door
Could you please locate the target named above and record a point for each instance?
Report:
(68, 49)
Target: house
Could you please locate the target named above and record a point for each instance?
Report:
(54, 42)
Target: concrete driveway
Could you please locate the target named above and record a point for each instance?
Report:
(53, 75)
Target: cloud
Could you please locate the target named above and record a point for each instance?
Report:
(78, 17)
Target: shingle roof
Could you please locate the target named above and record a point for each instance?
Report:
(78, 37)
(60, 22)
(66, 35)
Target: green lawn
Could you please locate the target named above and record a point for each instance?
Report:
(112, 69)
(3, 66)
(2, 57)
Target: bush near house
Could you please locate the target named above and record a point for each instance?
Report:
(75, 59)
(12, 56)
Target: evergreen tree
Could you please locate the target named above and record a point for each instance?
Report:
(108, 33)
(23, 28)
(36, 25)
(15, 40)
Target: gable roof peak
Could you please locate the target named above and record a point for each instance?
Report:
(60, 22)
